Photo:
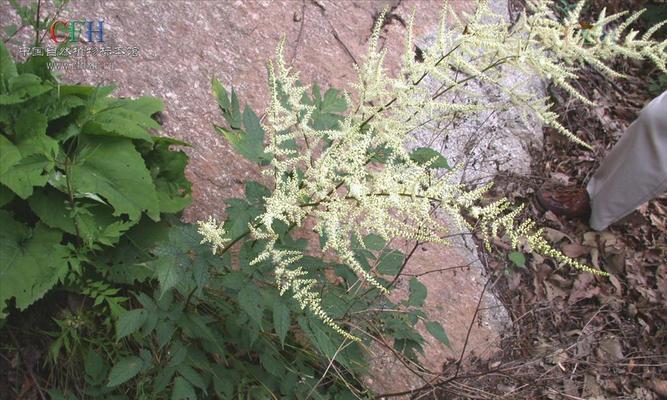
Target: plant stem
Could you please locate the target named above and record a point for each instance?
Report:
(39, 4)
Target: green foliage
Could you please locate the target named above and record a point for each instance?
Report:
(79, 169)
(657, 85)
(430, 157)
(517, 258)
(87, 192)
(244, 133)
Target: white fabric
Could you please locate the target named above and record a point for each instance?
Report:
(635, 170)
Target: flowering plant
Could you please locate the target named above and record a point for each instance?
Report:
(353, 174)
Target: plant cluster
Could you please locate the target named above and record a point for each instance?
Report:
(142, 308)
(146, 307)
(360, 175)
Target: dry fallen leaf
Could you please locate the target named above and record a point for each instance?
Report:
(611, 349)
(660, 386)
(575, 250)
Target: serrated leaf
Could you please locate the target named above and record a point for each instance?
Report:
(130, 322)
(29, 172)
(124, 370)
(93, 222)
(183, 260)
(183, 390)
(391, 262)
(438, 332)
(250, 303)
(240, 213)
(94, 366)
(517, 259)
(271, 364)
(222, 97)
(7, 66)
(250, 141)
(31, 261)
(167, 168)
(24, 87)
(192, 376)
(328, 109)
(333, 102)
(164, 332)
(163, 378)
(123, 117)
(114, 169)
(178, 354)
(417, 293)
(430, 157)
(255, 192)
(31, 135)
(145, 105)
(9, 155)
(281, 320)
(168, 274)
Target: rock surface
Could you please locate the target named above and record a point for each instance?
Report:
(182, 45)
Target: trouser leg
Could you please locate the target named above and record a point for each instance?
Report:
(635, 170)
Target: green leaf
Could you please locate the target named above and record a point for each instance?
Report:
(164, 331)
(10, 30)
(271, 364)
(328, 110)
(31, 171)
(192, 376)
(124, 117)
(7, 66)
(255, 192)
(9, 155)
(374, 242)
(130, 322)
(124, 370)
(183, 260)
(167, 168)
(31, 261)
(417, 293)
(250, 141)
(6, 195)
(183, 390)
(437, 331)
(145, 105)
(31, 135)
(62, 106)
(240, 213)
(230, 110)
(333, 102)
(93, 222)
(163, 378)
(281, 320)
(429, 157)
(517, 259)
(94, 366)
(178, 354)
(114, 169)
(391, 262)
(250, 303)
(24, 87)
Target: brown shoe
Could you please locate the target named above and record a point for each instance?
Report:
(565, 201)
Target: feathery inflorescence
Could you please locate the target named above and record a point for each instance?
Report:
(334, 178)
